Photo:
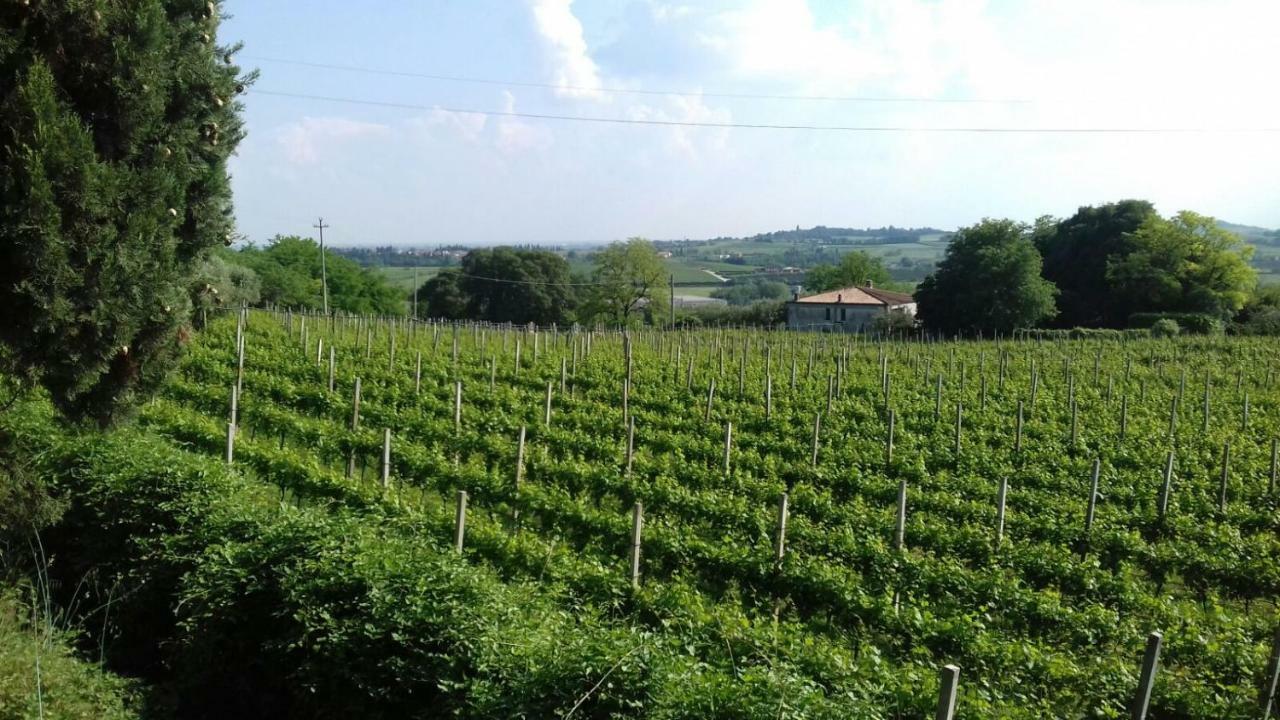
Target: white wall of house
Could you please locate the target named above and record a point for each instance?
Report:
(837, 317)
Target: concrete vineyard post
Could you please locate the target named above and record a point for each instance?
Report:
(900, 528)
(768, 396)
(417, 374)
(546, 416)
(1147, 680)
(1124, 415)
(817, 428)
(386, 457)
(231, 442)
(631, 442)
(728, 445)
(1166, 486)
(1226, 470)
(711, 394)
(1001, 496)
(234, 417)
(1275, 465)
(1017, 438)
(457, 405)
(333, 367)
(355, 406)
(1270, 680)
(780, 541)
(888, 440)
(1093, 496)
(948, 684)
(637, 527)
(460, 522)
(959, 424)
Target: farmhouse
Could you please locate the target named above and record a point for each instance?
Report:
(851, 309)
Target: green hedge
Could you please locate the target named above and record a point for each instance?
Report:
(1193, 323)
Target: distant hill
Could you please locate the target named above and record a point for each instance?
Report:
(823, 235)
(1252, 233)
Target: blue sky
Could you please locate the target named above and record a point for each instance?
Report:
(426, 175)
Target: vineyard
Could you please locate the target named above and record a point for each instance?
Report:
(431, 519)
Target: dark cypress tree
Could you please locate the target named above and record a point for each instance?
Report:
(116, 121)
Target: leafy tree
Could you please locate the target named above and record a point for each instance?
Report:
(220, 282)
(988, 280)
(629, 277)
(520, 286)
(1186, 263)
(753, 290)
(116, 121)
(443, 297)
(289, 268)
(855, 268)
(1076, 253)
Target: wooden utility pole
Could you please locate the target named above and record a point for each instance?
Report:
(324, 275)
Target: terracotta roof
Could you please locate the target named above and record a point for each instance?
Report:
(858, 296)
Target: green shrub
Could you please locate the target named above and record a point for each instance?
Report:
(1192, 323)
(1165, 327)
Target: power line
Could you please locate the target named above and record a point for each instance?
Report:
(771, 126)
(632, 91)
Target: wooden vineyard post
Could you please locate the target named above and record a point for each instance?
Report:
(1001, 495)
(391, 350)
(1093, 497)
(831, 389)
(460, 522)
(637, 527)
(1166, 486)
(793, 371)
(1244, 413)
(546, 416)
(1270, 680)
(1226, 470)
(417, 374)
(457, 406)
(386, 458)
(1147, 680)
(780, 541)
(333, 366)
(900, 528)
(231, 442)
(728, 445)
(948, 684)
(626, 399)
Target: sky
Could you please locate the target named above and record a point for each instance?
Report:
(402, 166)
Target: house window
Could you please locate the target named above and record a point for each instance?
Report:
(828, 314)
(843, 317)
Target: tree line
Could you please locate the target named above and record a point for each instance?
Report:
(1117, 265)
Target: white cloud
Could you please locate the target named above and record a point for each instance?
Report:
(304, 141)
(516, 136)
(574, 72)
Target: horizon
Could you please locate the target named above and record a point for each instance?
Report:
(445, 124)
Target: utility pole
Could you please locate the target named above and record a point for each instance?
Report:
(324, 275)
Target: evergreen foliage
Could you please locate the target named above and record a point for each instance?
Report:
(116, 121)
